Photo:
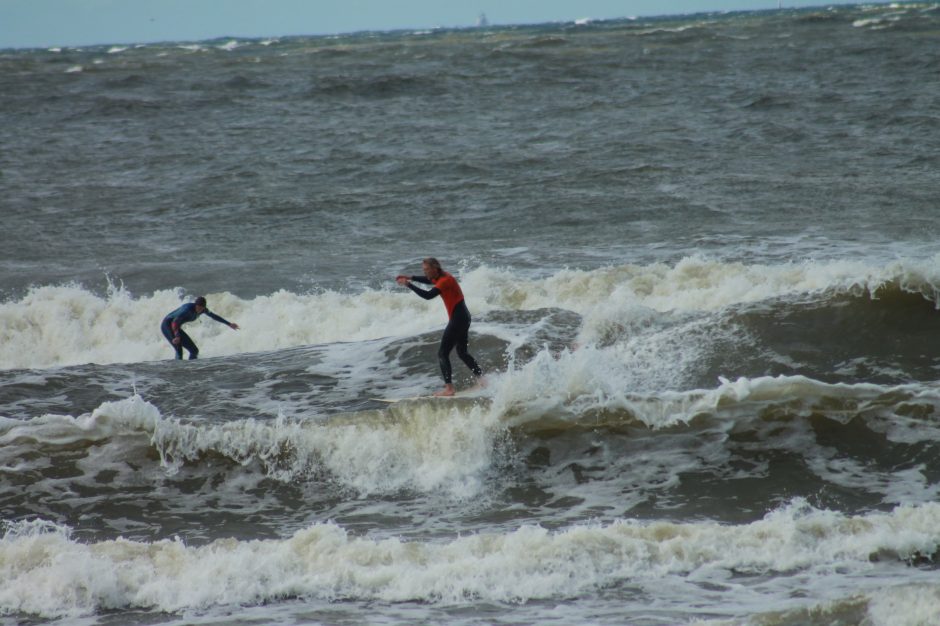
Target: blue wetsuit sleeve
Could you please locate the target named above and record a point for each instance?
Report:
(217, 318)
(427, 295)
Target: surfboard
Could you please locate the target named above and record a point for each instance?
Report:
(474, 393)
(396, 400)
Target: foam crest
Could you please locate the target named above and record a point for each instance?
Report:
(908, 604)
(693, 284)
(587, 381)
(46, 573)
(626, 294)
(894, 411)
(129, 416)
(68, 325)
(424, 447)
(592, 382)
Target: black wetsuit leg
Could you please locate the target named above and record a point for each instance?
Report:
(187, 342)
(457, 334)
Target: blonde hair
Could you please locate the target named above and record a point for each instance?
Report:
(434, 263)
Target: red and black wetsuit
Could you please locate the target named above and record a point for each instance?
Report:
(457, 333)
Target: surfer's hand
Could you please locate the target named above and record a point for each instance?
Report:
(234, 326)
(176, 340)
(401, 280)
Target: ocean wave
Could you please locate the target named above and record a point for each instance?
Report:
(69, 325)
(388, 86)
(451, 446)
(583, 388)
(54, 326)
(427, 448)
(107, 106)
(132, 81)
(45, 572)
(897, 604)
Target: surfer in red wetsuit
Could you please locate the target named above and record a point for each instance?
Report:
(457, 332)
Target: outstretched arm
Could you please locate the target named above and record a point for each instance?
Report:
(427, 295)
(430, 294)
(221, 320)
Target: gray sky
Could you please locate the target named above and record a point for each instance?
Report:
(42, 23)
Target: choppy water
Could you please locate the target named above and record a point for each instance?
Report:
(700, 254)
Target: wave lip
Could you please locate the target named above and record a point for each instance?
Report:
(55, 326)
(47, 573)
(424, 448)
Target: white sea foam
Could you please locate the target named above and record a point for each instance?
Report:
(699, 284)
(68, 325)
(594, 387)
(422, 448)
(593, 378)
(111, 418)
(905, 605)
(880, 23)
(449, 446)
(47, 573)
(613, 296)
(65, 325)
(425, 447)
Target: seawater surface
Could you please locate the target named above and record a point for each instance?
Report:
(699, 252)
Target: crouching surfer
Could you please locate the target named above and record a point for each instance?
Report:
(172, 326)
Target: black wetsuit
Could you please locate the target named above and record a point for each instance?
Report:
(186, 313)
(457, 332)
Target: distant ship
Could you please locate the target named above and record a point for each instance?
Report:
(482, 22)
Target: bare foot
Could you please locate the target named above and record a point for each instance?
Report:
(446, 392)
